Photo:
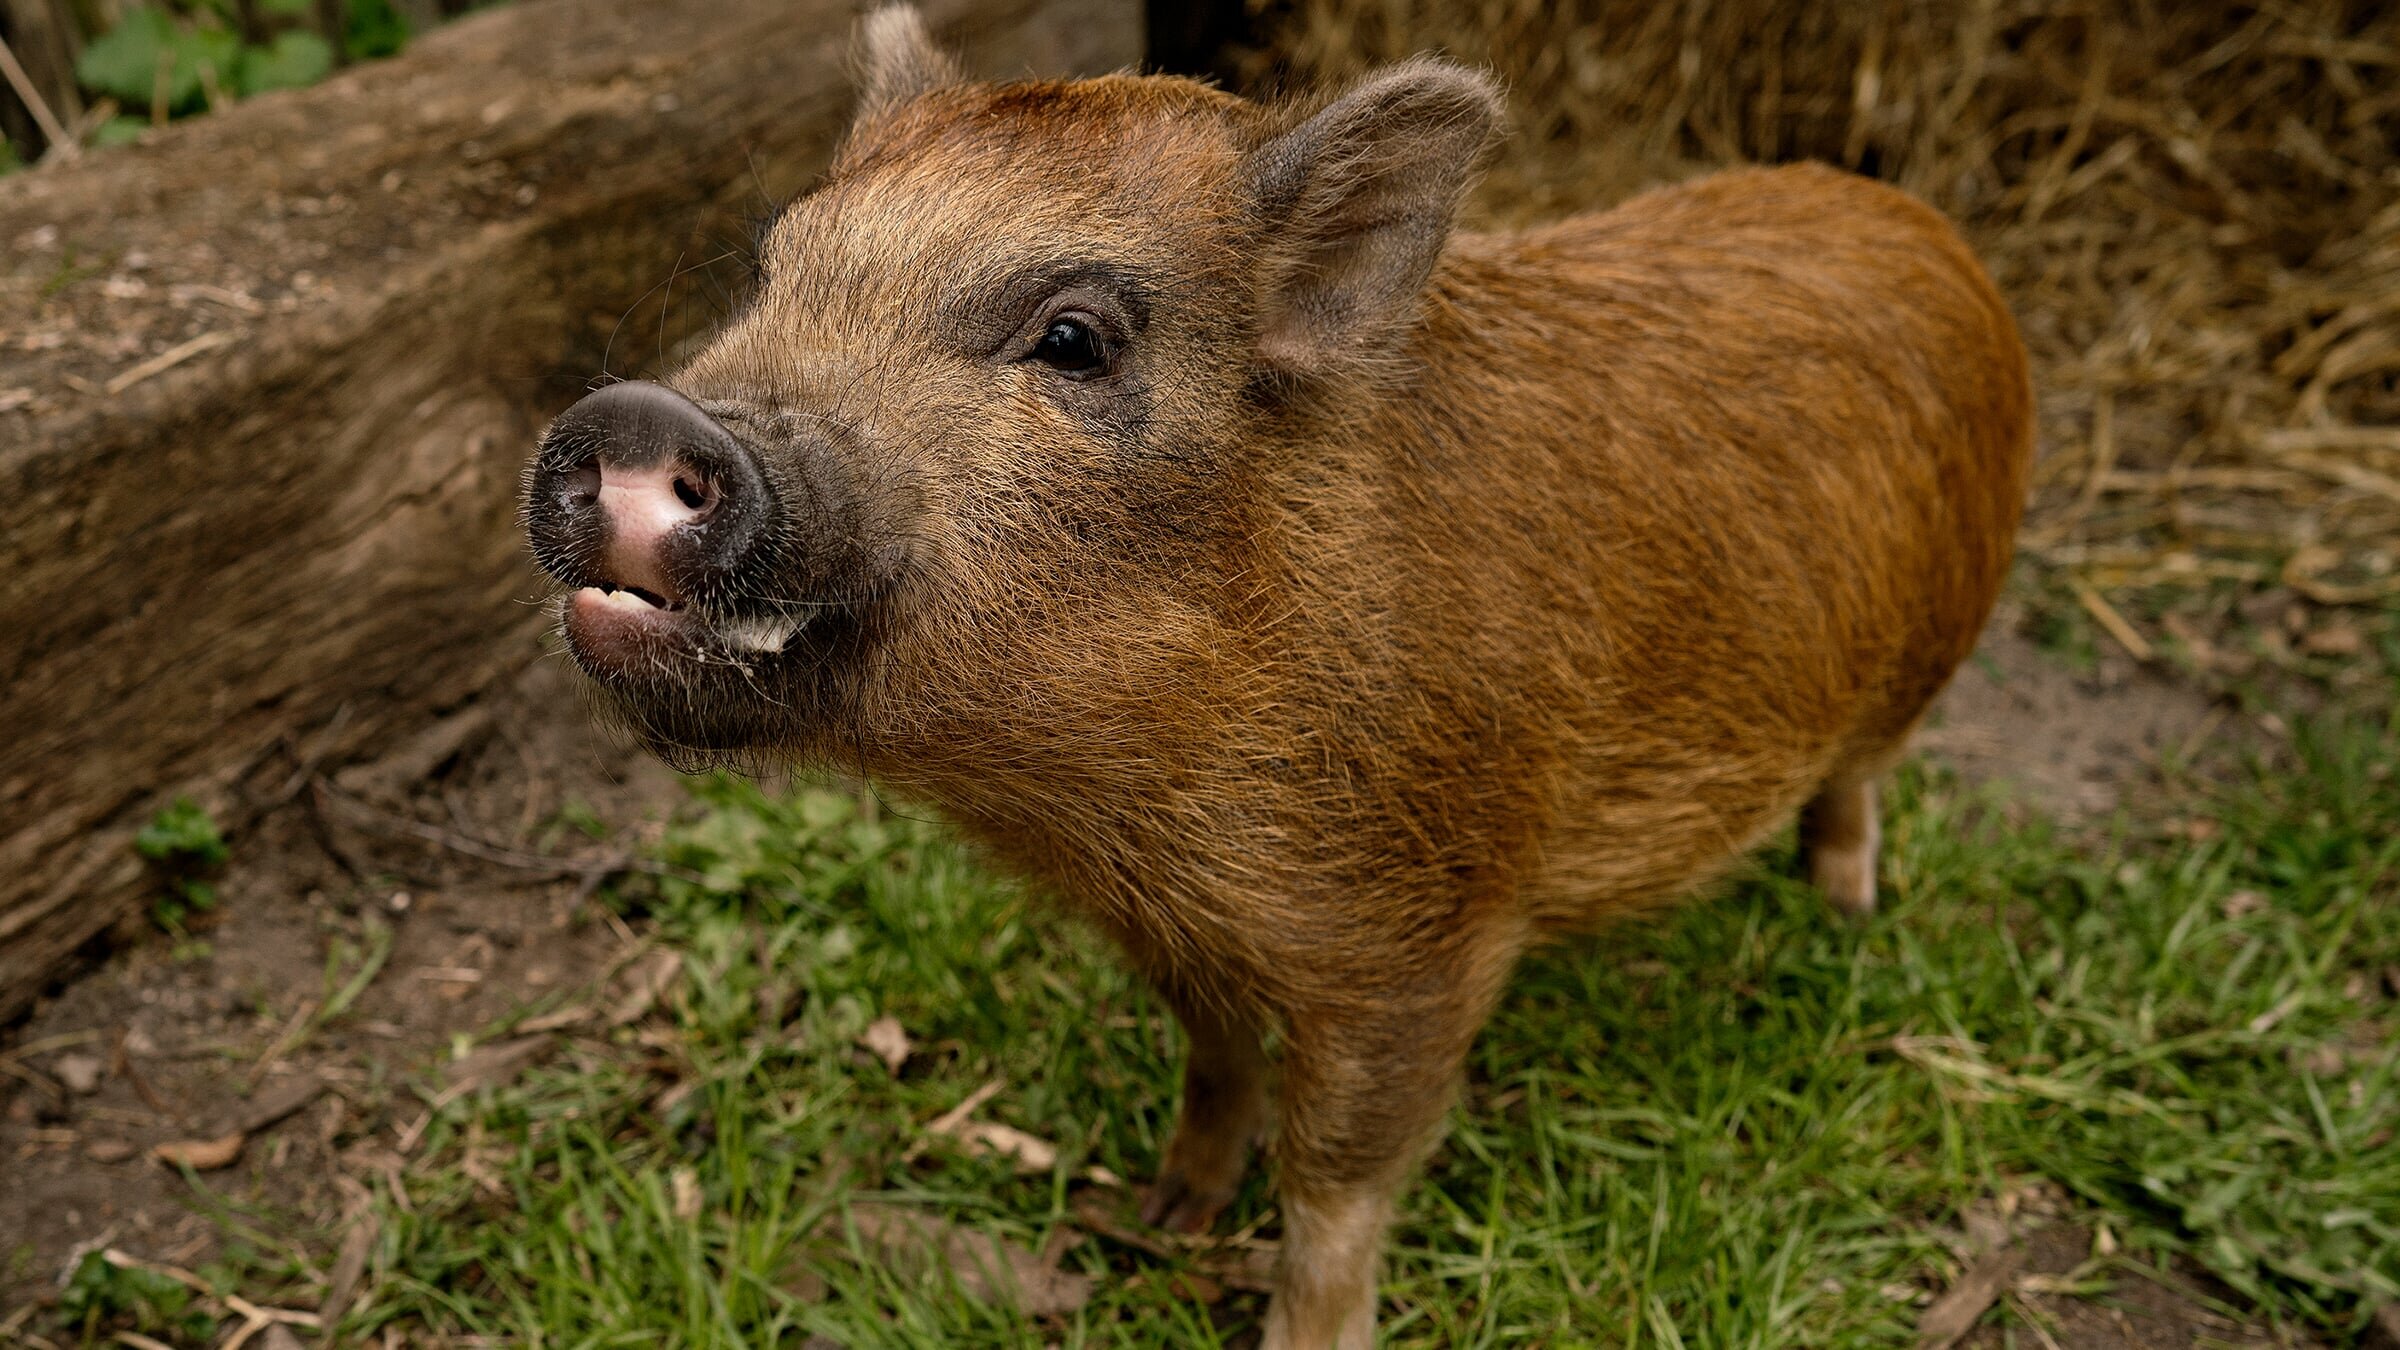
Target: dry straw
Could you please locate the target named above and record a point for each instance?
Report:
(2195, 209)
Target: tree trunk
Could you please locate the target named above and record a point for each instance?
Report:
(267, 378)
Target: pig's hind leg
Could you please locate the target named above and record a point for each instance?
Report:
(1842, 835)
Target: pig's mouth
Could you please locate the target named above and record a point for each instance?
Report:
(650, 598)
(613, 629)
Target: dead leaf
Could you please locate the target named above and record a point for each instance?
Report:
(279, 1100)
(2334, 639)
(989, 1269)
(981, 1138)
(555, 1021)
(109, 1150)
(358, 1243)
(684, 1185)
(943, 1125)
(949, 1120)
(1987, 1223)
(1956, 1311)
(888, 1041)
(645, 984)
(2241, 904)
(1030, 1153)
(496, 1063)
(202, 1155)
(80, 1072)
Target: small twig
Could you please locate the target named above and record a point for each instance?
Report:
(2117, 625)
(2267, 1021)
(122, 1063)
(944, 1123)
(61, 144)
(450, 974)
(168, 359)
(295, 1031)
(2033, 1317)
(305, 764)
(45, 1045)
(500, 854)
(290, 1317)
(124, 1260)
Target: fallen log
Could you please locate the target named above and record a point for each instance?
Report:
(267, 377)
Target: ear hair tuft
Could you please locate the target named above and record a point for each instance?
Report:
(897, 59)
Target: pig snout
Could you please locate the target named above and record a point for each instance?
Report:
(637, 493)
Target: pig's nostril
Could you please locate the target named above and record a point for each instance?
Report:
(696, 496)
(581, 487)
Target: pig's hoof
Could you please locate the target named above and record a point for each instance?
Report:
(1179, 1205)
(1847, 877)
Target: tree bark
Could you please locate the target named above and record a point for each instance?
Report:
(43, 36)
(266, 380)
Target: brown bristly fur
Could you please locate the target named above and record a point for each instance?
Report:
(1403, 598)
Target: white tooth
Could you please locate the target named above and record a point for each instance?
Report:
(625, 600)
(761, 635)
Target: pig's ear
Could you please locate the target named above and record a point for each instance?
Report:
(1357, 202)
(897, 60)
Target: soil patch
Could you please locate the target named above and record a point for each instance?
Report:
(2134, 1309)
(2078, 744)
(391, 888)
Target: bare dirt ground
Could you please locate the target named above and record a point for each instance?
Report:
(159, 1047)
(2143, 1310)
(2078, 745)
(219, 1047)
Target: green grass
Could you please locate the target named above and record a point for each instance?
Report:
(1744, 1125)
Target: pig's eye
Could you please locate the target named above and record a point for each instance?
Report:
(1070, 347)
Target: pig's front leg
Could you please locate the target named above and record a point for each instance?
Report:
(1366, 1084)
(1224, 1116)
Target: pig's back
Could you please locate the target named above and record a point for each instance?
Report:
(1709, 495)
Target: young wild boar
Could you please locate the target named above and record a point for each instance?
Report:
(1326, 604)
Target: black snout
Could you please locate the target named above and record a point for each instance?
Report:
(635, 488)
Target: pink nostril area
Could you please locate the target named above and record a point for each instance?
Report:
(643, 507)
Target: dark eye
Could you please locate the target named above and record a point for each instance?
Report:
(1070, 347)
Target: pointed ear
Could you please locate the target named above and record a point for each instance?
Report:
(896, 60)
(1357, 202)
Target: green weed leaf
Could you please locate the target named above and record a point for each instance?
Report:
(182, 833)
(376, 29)
(293, 61)
(126, 62)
